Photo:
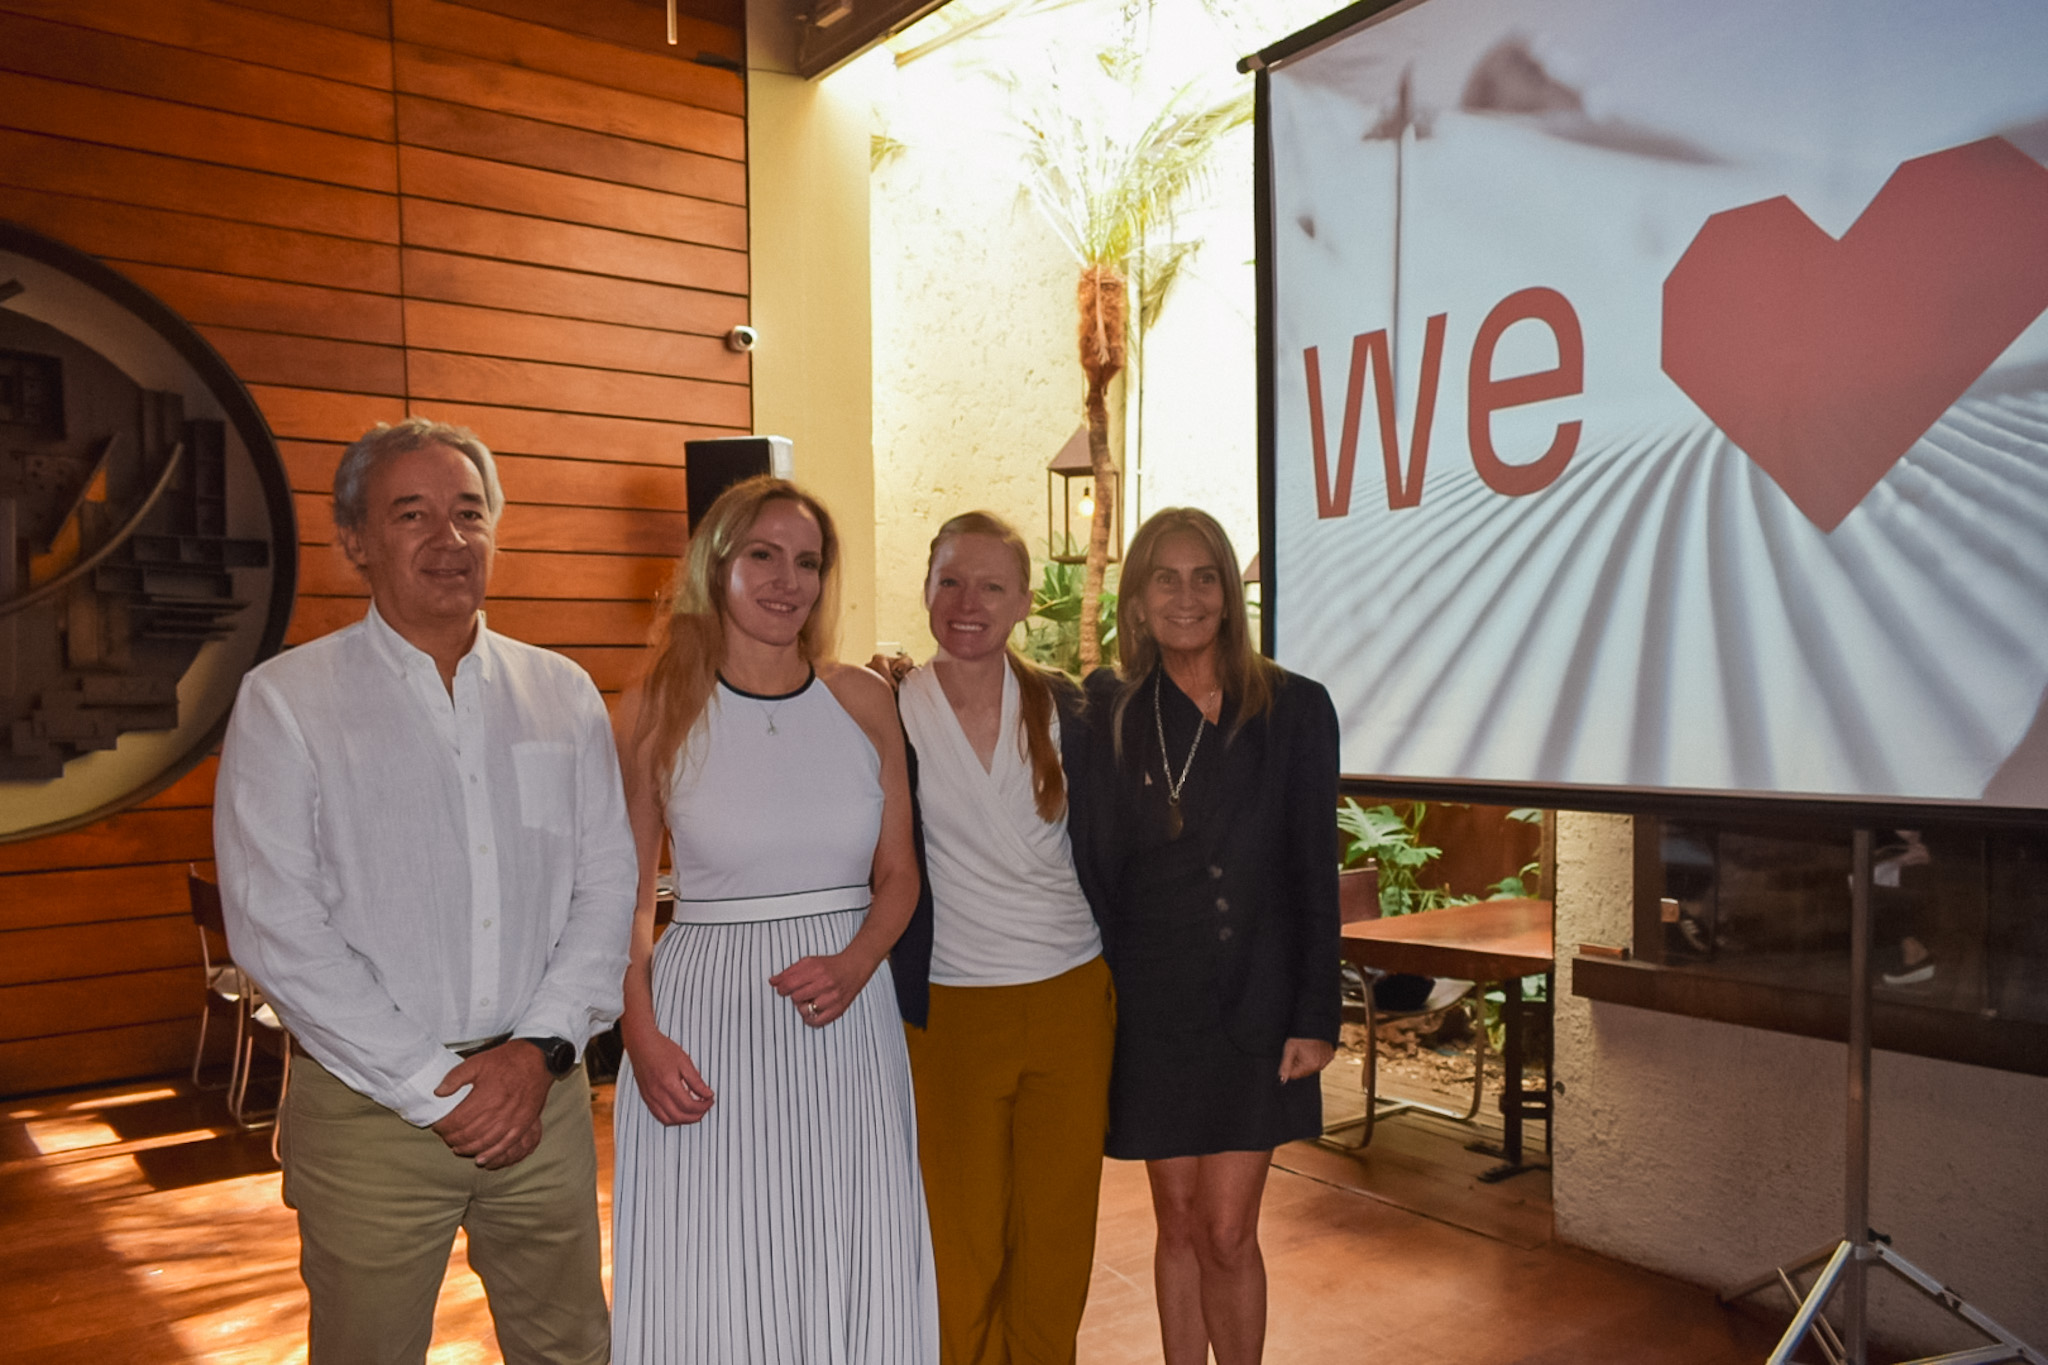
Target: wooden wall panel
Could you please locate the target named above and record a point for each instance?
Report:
(528, 218)
(67, 53)
(289, 309)
(565, 294)
(202, 135)
(476, 132)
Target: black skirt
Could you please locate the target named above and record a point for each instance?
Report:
(1181, 1086)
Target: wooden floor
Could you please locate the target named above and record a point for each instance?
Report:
(139, 1227)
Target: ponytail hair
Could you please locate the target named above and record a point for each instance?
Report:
(1034, 684)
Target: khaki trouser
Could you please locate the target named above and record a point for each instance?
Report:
(1012, 1100)
(379, 1202)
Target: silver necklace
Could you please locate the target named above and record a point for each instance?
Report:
(1173, 785)
(769, 706)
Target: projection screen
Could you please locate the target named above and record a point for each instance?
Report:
(1655, 395)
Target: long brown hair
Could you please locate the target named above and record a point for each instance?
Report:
(688, 645)
(1034, 684)
(1247, 676)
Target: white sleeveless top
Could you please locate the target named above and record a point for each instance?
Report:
(1007, 908)
(775, 809)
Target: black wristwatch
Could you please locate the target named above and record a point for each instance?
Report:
(558, 1053)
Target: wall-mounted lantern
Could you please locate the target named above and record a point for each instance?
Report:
(1070, 504)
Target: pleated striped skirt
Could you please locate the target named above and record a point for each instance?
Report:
(788, 1226)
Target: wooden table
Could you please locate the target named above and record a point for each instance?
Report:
(1499, 941)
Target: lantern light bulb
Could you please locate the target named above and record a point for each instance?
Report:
(1087, 500)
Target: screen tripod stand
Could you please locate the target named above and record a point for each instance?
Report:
(1848, 1262)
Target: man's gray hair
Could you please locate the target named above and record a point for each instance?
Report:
(385, 440)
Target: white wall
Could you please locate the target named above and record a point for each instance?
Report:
(1714, 1152)
(807, 228)
(977, 376)
(977, 380)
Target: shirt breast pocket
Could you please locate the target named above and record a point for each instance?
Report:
(547, 785)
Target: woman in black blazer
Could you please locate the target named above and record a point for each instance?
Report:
(1214, 840)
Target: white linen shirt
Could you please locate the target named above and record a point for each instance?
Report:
(405, 872)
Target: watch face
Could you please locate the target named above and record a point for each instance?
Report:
(560, 1054)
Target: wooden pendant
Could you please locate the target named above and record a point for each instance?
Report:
(1173, 824)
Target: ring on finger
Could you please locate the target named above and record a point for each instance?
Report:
(811, 1008)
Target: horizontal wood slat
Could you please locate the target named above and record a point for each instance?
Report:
(612, 667)
(125, 232)
(535, 482)
(82, 56)
(571, 246)
(457, 79)
(550, 146)
(572, 530)
(372, 17)
(136, 836)
(66, 951)
(101, 1002)
(35, 1064)
(565, 341)
(271, 305)
(522, 573)
(570, 388)
(195, 788)
(711, 26)
(529, 46)
(93, 171)
(35, 900)
(529, 481)
(310, 362)
(564, 293)
(227, 30)
(548, 624)
(429, 174)
(205, 135)
(530, 431)
(318, 416)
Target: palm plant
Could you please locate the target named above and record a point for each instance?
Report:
(1052, 633)
(1110, 198)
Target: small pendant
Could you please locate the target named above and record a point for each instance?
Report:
(1173, 823)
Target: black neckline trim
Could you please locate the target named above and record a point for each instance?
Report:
(810, 676)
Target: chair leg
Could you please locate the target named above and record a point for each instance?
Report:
(238, 1085)
(1370, 1078)
(205, 1018)
(1479, 1048)
(284, 1086)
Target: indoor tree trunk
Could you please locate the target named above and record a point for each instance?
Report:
(1098, 529)
(1103, 298)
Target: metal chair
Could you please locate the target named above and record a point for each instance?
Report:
(1445, 993)
(255, 1021)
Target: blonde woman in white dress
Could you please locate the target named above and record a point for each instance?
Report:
(767, 1203)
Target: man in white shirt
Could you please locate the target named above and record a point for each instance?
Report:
(427, 868)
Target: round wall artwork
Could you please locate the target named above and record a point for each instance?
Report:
(148, 549)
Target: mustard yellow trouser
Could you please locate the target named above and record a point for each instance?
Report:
(379, 1202)
(1012, 1100)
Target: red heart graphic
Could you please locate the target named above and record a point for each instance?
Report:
(1825, 360)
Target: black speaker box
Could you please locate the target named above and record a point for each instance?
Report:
(712, 466)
